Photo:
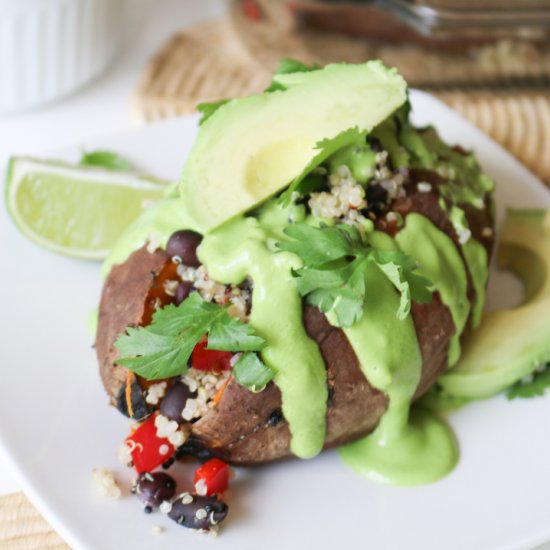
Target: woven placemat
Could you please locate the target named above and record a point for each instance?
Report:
(23, 528)
(209, 62)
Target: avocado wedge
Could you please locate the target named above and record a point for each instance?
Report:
(251, 148)
(510, 344)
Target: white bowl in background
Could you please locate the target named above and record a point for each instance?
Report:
(50, 48)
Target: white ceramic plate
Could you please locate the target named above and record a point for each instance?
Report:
(56, 426)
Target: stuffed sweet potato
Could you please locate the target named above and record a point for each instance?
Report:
(245, 427)
(314, 276)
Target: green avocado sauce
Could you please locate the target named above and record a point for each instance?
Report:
(409, 446)
(476, 260)
(410, 147)
(402, 450)
(241, 248)
(440, 261)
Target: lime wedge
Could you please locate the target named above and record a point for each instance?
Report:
(77, 211)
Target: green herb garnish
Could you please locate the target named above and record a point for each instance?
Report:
(327, 147)
(289, 66)
(534, 388)
(106, 159)
(252, 373)
(335, 263)
(208, 109)
(163, 348)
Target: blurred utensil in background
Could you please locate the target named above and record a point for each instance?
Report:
(438, 21)
(432, 42)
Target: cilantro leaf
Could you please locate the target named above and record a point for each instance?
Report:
(327, 147)
(335, 263)
(252, 373)
(163, 348)
(156, 356)
(233, 335)
(537, 386)
(106, 159)
(398, 268)
(208, 109)
(317, 246)
(288, 66)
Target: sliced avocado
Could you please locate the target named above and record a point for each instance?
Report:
(509, 344)
(251, 148)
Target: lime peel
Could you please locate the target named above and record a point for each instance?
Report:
(76, 211)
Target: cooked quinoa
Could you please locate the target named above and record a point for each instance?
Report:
(346, 200)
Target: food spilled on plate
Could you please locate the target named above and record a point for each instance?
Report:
(315, 280)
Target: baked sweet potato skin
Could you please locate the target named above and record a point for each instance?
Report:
(241, 428)
(122, 305)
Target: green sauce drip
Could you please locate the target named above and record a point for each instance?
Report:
(424, 451)
(439, 261)
(386, 133)
(409, 147)
(157, 223)
(466, 183)
(361, 160)
(476, 260)
(401, 450)
(241, 248)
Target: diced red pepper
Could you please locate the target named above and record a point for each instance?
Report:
(210, 359)
(148, 451)
(212, 477)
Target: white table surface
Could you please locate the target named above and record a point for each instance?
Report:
(104, 106)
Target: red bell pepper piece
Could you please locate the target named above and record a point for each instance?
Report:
(148, 451)
(210, 359)
(212, 477)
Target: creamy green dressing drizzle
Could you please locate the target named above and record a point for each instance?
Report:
(440, 261)
(241, 248)
(398, 451)
(155, 225)
(476, 260)
(410, 147)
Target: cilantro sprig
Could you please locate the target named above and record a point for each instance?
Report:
(535, 388)
(251, 372)
(208, 109)
(163, 348)
(106, 159)
(335, 263)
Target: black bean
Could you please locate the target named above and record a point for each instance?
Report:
(184, 245)
(140, 408)
(377, 198)
(153, 489)
(193, 447)
(275, 417)
(183, 290)
(374, 143)
(174, 401)
(376, 193)
(198, 512)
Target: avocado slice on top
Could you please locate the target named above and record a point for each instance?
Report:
(250, 148)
